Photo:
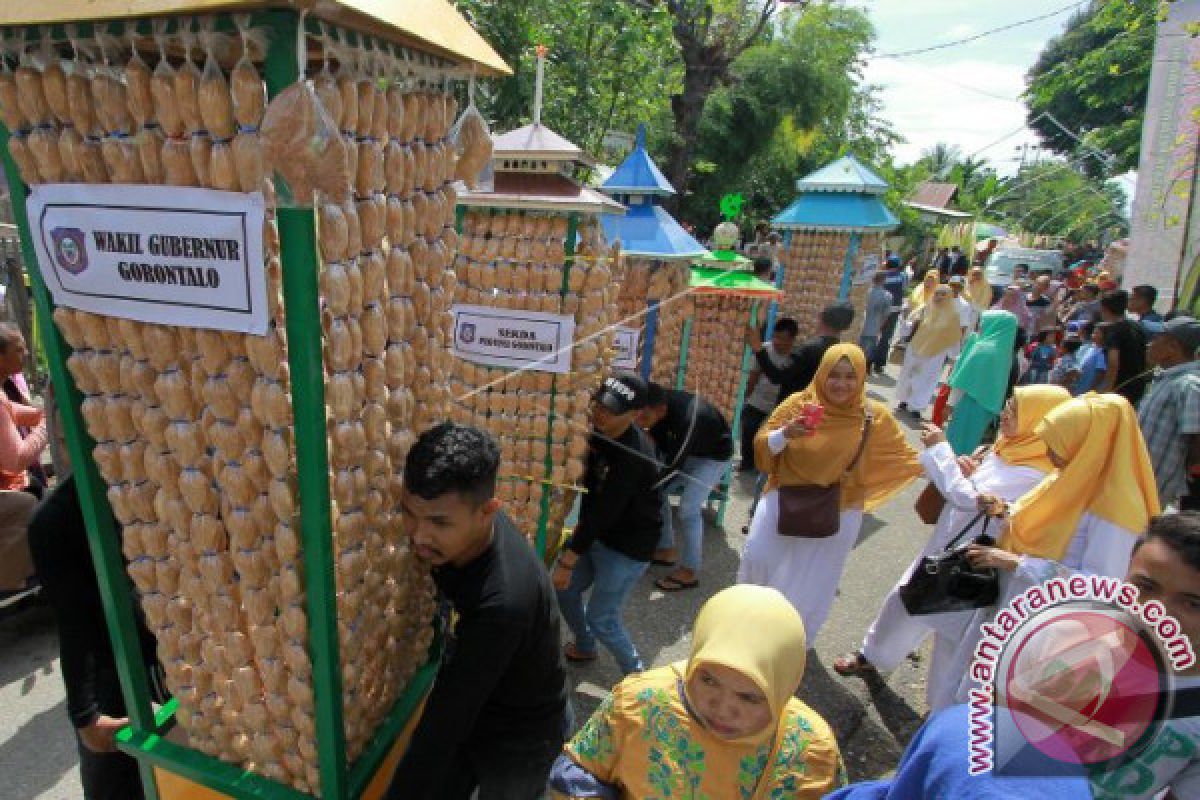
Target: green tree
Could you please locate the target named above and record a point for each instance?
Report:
(1092, 80)
(711, 35)
(610, 66)
(1058, 199)
(790, 105)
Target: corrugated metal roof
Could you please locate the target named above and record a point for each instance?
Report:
(932, 194)
(649, 231)
(847, 174)
(840, 211)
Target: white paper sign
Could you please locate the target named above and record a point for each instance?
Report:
(625, 342)
(501, 337)
(167, 254)
(868, 268)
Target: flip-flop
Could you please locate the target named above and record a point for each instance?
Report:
(669, 584)
(574, 655)
(853, 664)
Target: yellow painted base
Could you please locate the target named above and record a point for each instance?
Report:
(174, 787)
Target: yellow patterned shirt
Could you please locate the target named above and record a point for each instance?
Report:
(643, 740)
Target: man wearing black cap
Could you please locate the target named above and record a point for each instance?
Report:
(618, 529)
(1170, 412)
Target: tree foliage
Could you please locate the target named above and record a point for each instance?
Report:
(1058, 199)
(1093, 79)
(790, 105)
(610, 66)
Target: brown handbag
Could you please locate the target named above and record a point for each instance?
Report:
(814, 512)
(929, 504)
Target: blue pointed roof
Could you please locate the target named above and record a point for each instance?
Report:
(842, 196)
(847, 174)
(638, 174)
(648, 231)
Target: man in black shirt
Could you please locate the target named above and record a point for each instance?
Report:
(619, 525)
(1125, 349)
(497, 715)
(959, 263)
(833, 322)
(59, 545)
(697, 445)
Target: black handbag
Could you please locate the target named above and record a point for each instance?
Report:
(947, 582)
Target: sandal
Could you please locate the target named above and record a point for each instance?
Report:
(673, 584)
(853, 664)
(577, 656)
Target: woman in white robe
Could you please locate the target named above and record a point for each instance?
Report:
(1016, 465)
(807, 570)
(1083, 518)
(938, 335)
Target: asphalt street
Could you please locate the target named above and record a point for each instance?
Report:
(874, 719)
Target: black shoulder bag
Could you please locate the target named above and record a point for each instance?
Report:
(947, 582)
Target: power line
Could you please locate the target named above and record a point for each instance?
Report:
(989, 32)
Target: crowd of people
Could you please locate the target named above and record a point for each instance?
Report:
(1059, 433)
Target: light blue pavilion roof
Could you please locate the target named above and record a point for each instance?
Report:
(638, 174)
(847, 174)
(648, 231)
(837, 211)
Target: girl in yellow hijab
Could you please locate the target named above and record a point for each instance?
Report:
(723, 724)
(1017, 463)
(792, 453)
(939, 332)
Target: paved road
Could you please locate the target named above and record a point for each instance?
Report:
(873, 719)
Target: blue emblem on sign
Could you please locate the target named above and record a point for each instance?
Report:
(466, 334)
(70, 249)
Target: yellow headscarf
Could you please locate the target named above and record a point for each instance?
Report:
(940, 328)
(755, 631)
(1026, 448)
(887, 464)
(1108, 473)
(978, 291)
(923, 293)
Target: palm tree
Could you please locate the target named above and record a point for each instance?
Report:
(941, 158)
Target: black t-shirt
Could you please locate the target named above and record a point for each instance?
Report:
(502, 679)
(805, 361)
(677, 437)
(1129, 340)
(961, 265)
(622, 506)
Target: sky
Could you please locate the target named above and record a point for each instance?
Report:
(968, 94)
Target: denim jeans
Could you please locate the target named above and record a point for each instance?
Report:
(697, 478)
(752, 420)
(869, 345)
(880, 356)
(760, 483)
(611, 576)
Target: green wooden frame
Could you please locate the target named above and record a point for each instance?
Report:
(145, 737)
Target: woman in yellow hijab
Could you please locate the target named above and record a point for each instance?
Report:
(978, 291)
(1016, 464)
(794, 452)
(939, 332)
(923, 292)
(723, 724)
(1087, 515)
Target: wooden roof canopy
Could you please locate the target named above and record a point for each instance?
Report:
(431, 25)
